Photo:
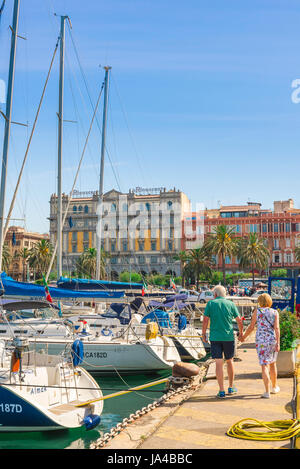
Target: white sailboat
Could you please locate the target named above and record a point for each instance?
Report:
(39, 392)
(134, 354)
(126, 353)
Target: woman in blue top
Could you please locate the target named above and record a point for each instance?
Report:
(267, 341)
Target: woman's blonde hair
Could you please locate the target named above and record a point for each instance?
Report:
(264, 300)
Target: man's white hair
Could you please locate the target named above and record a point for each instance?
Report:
(219, 290)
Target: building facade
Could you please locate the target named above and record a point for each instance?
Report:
(280, 228)
(140, 230)
(17, 239)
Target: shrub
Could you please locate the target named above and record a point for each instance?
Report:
(289, 330)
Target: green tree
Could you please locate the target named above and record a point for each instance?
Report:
(199, 262)
(24, 254)
(221, 242)
(6, 257)
(40, 256)
(182, 256)
(133, 277)
(279, 273)
(297, 253)
(87, 263)
(253, 254)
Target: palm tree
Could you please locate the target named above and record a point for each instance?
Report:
(199, 261)
(6, 257)
(40, 256)
(297, 253)
(24, 253)
(252, 253)
(221, 243)
(182, 256)
(87, 263)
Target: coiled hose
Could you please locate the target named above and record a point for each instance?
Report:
(276, 431)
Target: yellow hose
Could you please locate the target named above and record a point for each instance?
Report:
(276, 431)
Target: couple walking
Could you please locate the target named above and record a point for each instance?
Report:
(220, 313)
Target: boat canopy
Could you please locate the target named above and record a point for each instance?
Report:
(161, 317)
(120, 311)
(12, 288)
(175, 301)
(17, 305)
(79, 284)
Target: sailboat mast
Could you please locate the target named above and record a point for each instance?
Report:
(10, 86)
(60, 144)
(100, 200)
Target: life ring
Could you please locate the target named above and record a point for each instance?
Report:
(106, 331)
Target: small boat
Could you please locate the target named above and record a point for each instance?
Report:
(39, 392)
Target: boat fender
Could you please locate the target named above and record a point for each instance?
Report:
(91, 421)
(151, 330)
(77, 352)
(106, 331)
(187, 370)
(182, 322)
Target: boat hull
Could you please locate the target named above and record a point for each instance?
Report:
(111, 357)
(18, 414)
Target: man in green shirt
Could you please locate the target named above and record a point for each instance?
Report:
(221, 312)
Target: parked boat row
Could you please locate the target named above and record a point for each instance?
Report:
(116, 340)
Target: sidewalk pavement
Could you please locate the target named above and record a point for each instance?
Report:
(199, 420)
(202, 421)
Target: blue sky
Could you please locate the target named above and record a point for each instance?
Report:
(200, 99)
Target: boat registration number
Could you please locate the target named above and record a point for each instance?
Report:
(95, 355)
(11, 408)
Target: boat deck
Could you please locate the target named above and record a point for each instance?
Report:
(65, 408)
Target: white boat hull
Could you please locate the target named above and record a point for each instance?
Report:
(109, 356)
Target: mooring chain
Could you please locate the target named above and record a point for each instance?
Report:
(139, 413)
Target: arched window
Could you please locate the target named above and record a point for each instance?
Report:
(170, 204)
(86, 209)
(113, 207)
(80, 208)
(74, 208)
(148, 206)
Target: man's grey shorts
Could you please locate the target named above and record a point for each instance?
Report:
(218, 348)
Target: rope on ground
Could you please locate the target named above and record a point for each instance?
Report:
(277, 430)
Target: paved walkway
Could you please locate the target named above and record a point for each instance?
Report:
(202, 421)
(198, 420)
